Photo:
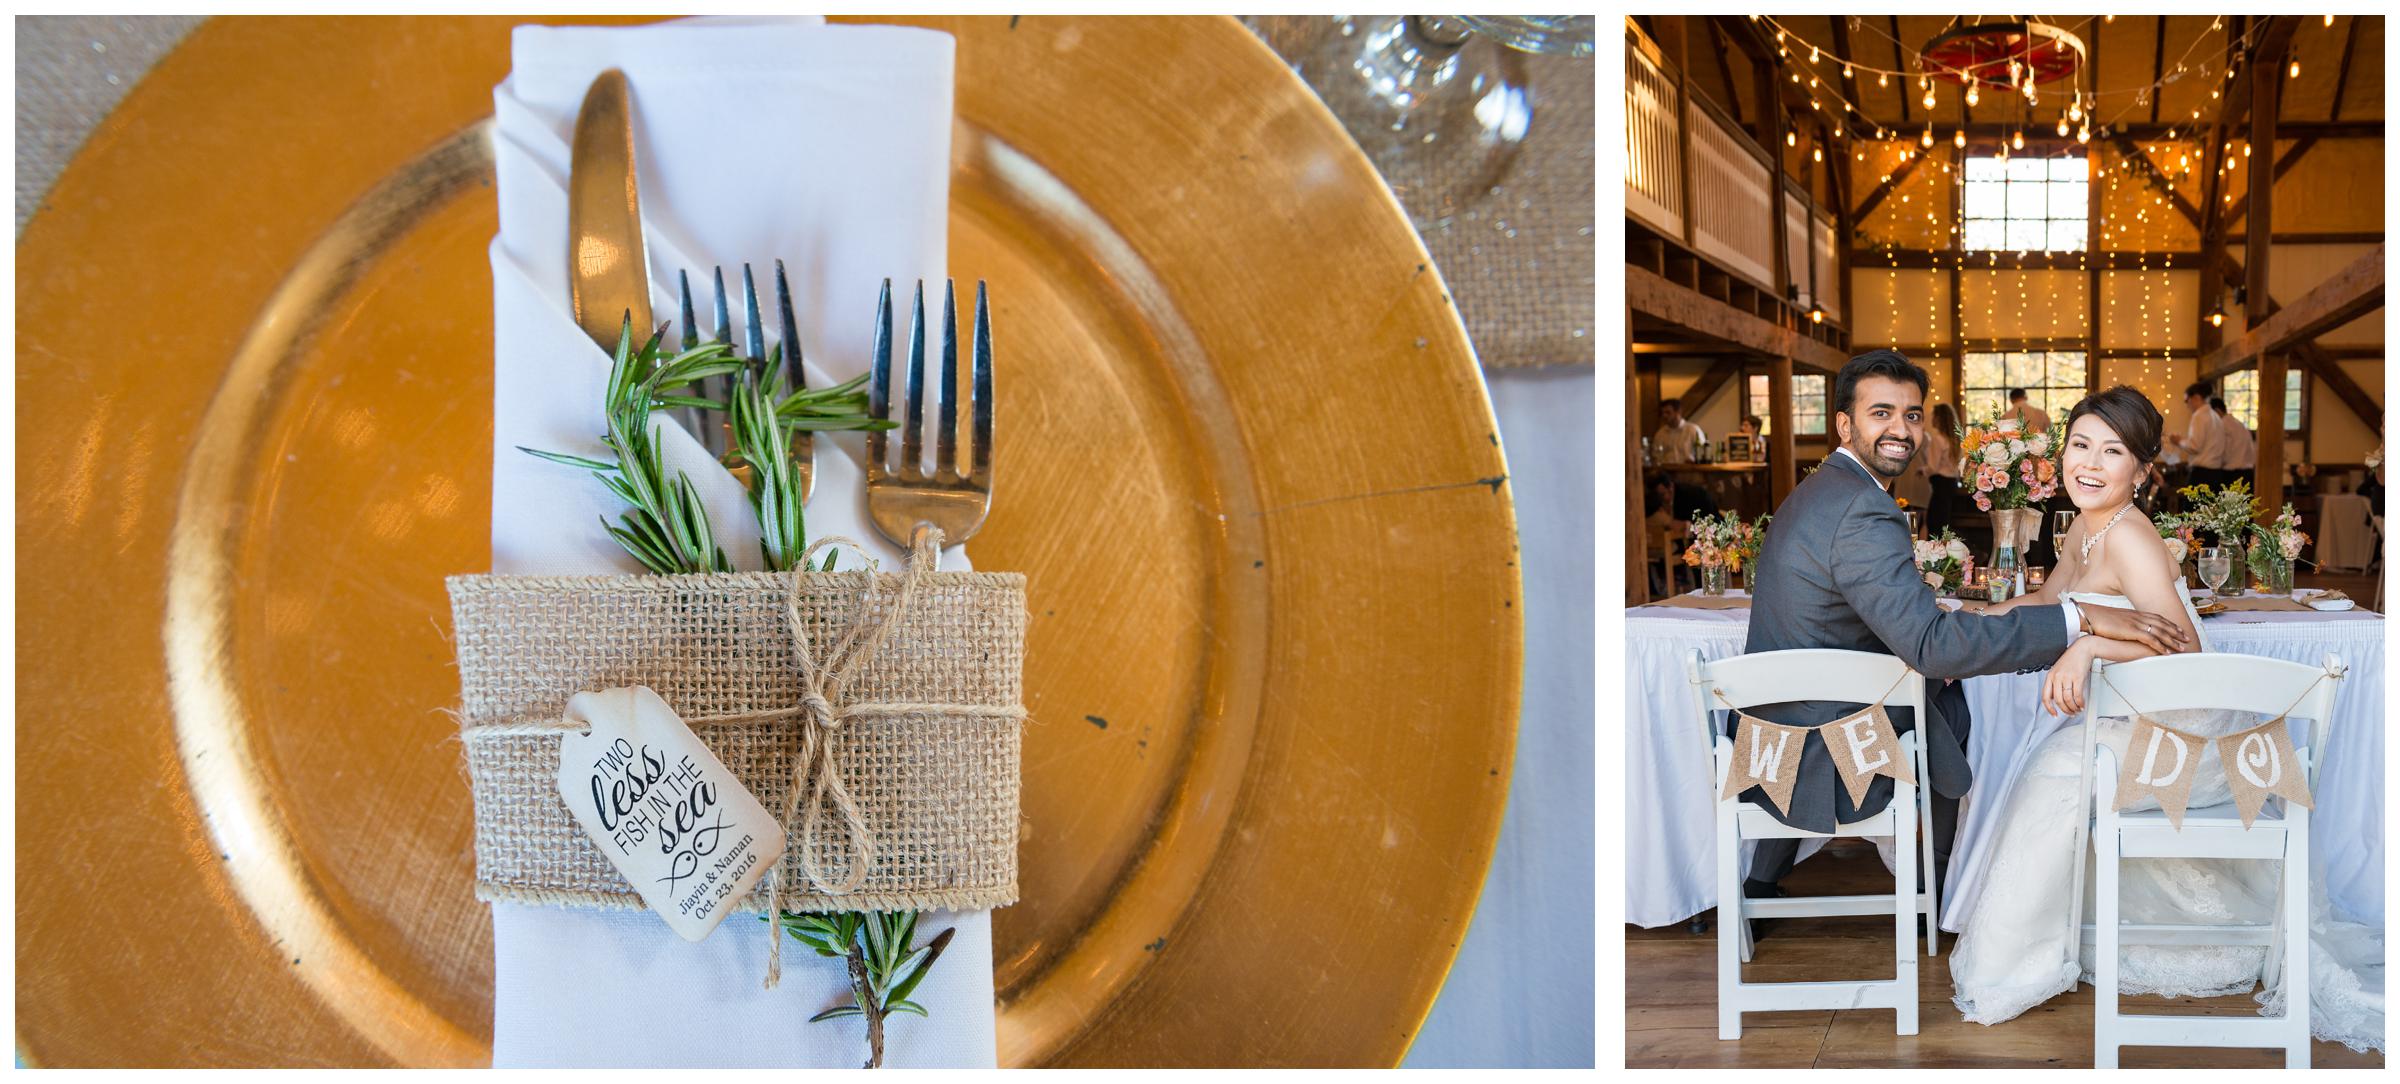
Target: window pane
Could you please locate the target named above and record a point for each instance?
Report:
(1986, 199)
(1985, 234)
(1983, 371)
(2059, 401)
(2028, 200)
(2066, 369)
(2024, 369)
(2066, 200)
(1985, 169)
(2028, 236)
(2028, 169)
(2069, 169)
(2068, 235)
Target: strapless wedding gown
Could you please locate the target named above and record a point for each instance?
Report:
(2015, 949)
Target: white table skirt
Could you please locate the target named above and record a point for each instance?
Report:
(1669, 875)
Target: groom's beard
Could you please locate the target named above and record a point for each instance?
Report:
(1878, 456)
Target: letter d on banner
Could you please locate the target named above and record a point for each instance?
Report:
(2166, 768)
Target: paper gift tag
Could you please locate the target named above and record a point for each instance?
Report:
(673, 819)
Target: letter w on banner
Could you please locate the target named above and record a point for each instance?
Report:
(1864, 746)
(2259, 762)
(2159, 761)
(1765, 755)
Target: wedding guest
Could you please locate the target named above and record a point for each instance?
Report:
(1677, 440)
(1754, 428)
(2241, 446)
(2202, 444)
(2030, 418)
(1682, 501)
(1941, 467)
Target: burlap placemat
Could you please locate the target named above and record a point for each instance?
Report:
(937, 786)
(1691, 601)
(1520, 262)
(2263, 604)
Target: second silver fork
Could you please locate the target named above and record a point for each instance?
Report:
(905, 499)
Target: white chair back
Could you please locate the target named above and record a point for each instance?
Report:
(2267, 687)
(1774, 677)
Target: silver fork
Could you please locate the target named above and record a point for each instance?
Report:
(905, 500)
(718, 438)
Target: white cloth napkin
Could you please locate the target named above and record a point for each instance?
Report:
(756, 139)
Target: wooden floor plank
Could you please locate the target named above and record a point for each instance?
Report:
(1670, 1001)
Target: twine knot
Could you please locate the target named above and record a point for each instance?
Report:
(815, 771)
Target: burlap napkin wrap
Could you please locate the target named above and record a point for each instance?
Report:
(879, 713)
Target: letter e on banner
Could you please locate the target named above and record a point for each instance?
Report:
(2162, 758)
(1863, 747)
(2260, 762)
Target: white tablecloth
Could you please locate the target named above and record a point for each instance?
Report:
(2345, 531)
(1669, 875)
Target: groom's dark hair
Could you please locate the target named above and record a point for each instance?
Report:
(1890, 364)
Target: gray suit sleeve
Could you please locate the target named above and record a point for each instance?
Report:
(1875, 569)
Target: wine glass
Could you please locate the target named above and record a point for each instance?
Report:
(2216, 566)
(1440, 103)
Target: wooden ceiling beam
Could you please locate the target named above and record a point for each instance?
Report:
(2126, 147)
(1651, 293)
(1875, 198)
(2241, 204)
(1900, 64)
(2341, 79)
(2329, 373)
(1722, 370)
(2351, 292)
(2158, 65)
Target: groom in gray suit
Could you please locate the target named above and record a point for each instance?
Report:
(1838, 571)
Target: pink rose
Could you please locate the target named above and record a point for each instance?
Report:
(1983, 502)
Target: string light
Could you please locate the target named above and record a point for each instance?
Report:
(2329, 20)
(2017, 140)
(1791, 139)
(1928, 140)
(2295, 69)
(1959, 139)
(1972, 97)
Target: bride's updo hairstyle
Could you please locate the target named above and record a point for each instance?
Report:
(2129, 414)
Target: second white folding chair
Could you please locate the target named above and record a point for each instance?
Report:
(2280, 833)
(1849, 676)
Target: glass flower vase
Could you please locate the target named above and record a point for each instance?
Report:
(1712, 580)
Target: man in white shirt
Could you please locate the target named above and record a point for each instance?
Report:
(1677, 438)
(2029, 418)
(2203, 441)
(2241, 447)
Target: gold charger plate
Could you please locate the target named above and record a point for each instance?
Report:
(1248, 468)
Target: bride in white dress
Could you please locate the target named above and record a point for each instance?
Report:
(2015, 949)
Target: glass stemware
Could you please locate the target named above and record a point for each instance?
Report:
(1440, 103)
(2216, 566)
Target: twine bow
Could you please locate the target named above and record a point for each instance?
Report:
(815, 771)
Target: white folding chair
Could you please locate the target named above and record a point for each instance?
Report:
(1855, 676)
(2223, 681)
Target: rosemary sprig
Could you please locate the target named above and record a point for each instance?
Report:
(884, 970)
(666, 528)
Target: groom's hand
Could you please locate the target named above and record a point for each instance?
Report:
(2135, 626)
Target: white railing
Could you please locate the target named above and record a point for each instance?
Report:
(1653, 144)
(1730, 199)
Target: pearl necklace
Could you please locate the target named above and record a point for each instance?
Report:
(2085, 557)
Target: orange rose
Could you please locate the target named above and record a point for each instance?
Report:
(1972, 441)
(2044, 470)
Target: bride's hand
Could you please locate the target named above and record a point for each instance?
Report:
(2063, 689)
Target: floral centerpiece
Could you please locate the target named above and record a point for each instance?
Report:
(2274, 548)
(2010, 474)
(2224, 513)
(2181, 538)
(1943, 560)
(1721, 545)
